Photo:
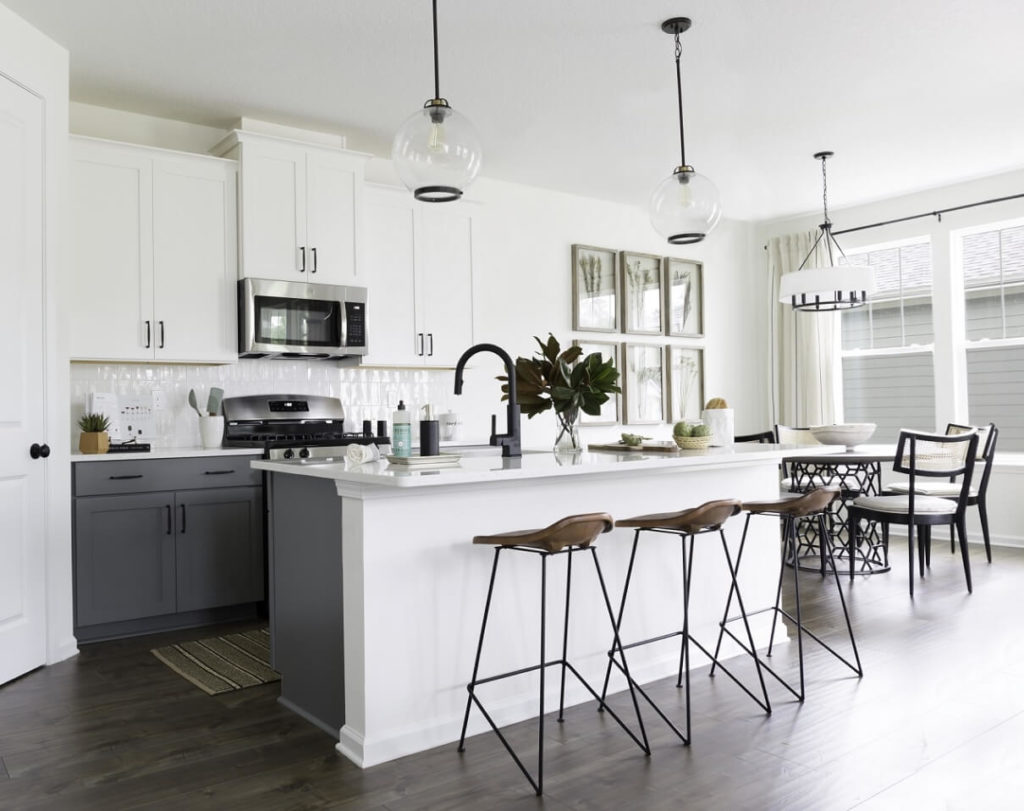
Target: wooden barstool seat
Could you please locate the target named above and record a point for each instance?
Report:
(813, 504)
(686, 525)
(574, 533)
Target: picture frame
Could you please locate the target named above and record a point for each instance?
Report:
(641, 293)
(685, 382)
(643, 384)
(595, 288)
(684, 298)
(610, 410)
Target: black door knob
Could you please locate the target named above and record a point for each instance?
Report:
(38, 450)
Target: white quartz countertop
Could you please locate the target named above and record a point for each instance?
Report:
(164, 453)
(531, 465)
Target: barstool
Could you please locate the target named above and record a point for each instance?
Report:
(575, 533)
(814, 504)
(687, 525)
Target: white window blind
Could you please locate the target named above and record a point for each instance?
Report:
(993, 266)
(893, 391)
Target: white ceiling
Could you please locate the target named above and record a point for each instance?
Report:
(579, 95)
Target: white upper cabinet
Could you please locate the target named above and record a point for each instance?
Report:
(153, 254)
(418, 266)
(299, 209)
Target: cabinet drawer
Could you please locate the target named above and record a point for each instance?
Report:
(152, 475)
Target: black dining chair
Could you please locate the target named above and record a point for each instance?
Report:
(763, 437)
(987, 437)
(920, 454)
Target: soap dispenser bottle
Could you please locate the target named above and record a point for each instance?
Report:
(429, 433)
(401, 431)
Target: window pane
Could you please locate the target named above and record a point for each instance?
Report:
(1014, 303)
(983, 314)
(892, 391)
(917, 321)
(886, 328)
(1013, 254)
(916, 269)
(981, 259)
(856, 326)
(995, 392)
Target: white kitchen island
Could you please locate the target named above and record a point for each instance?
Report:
(377, 591)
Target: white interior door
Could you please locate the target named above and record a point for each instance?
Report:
(22, 330)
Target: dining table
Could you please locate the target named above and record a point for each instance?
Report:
(857, 472)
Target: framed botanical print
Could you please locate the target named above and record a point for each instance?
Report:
(641, 293)
(642, 382)
(610, 410)
(595, 289)
(685, 382)
(684, 298)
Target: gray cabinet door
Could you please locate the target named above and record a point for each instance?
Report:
(124, 557)
(219, 547)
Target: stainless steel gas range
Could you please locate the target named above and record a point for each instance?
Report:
(294, 426)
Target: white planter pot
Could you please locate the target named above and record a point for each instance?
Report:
(720, 421)
(211, 431)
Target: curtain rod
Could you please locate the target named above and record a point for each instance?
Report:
(938, 214)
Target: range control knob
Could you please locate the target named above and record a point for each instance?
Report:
(288, 453)
(304, 453)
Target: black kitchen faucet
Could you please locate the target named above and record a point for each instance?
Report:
(510, 442)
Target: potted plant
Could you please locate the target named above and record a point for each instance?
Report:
(562, 381)
(94, 437)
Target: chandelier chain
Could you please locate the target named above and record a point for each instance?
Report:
(824, 188)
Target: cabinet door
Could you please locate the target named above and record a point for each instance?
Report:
(124, 557)
(273, 180)
(110, 309)
(333, 185)
(446, 284)
(389, 273)
(219, 547)
(194, 263)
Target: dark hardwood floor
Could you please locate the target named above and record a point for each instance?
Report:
(937, 722)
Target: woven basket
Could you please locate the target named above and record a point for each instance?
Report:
(693, 443)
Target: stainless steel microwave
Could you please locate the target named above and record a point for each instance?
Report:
(300, 320)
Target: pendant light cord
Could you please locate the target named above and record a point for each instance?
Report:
(679, 95)
(437, 72)
(824, 189)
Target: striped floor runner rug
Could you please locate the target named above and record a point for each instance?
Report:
(221, 664)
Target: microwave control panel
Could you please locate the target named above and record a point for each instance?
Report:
(355, 317)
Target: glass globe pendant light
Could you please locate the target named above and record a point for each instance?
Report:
(436, 152)
(685, 206)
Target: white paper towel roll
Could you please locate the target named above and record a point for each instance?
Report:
(358, 454)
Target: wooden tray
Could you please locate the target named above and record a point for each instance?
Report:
(667, 446)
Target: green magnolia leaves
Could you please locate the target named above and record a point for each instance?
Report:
(560, 380)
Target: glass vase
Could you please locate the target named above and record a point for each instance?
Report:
(567, 435)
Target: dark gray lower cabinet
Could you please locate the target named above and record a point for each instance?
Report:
(219, 549)
(124, 557)
(166, 543)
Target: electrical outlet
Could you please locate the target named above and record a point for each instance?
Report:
(159, 400)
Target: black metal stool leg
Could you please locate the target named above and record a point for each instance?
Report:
(728, 600)
(846, 616)
(480, 646)
(617, 621)
(799, 617)
(684, 654)
(543, 625)
(786, 522)
(565, 636)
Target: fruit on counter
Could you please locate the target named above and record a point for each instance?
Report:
(633, 439)
(716, 402)
(697, 429)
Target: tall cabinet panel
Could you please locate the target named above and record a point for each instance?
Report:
(333, 195)
(418, 266)
(154, 257)
(112, 289)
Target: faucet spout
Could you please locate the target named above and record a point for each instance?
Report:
(510, 442)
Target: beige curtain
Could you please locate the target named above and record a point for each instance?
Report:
(807, 369)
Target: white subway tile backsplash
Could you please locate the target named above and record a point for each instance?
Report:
(368, 394)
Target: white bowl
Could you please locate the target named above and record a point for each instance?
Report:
(848, 434)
